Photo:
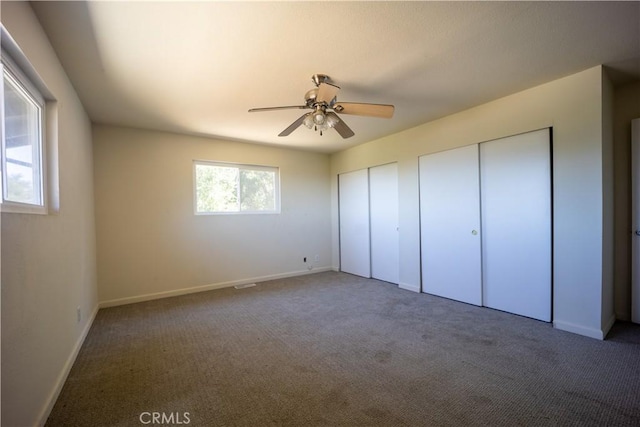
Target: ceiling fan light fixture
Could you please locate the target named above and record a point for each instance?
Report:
(332, 120)
(308, 121)
(321, 127)
(320, 121)
(319, 117)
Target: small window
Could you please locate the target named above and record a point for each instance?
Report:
(224, 188)
(22, 141)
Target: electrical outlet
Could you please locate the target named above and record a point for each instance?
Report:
(317, 259)
(78, 314)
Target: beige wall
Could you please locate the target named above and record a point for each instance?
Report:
(48, 261)
(150, 243)
(626, 108)
(573, 107)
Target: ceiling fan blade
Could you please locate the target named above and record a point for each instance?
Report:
(288, 107)
(374, 110)
(326, 92)
(341, 127)
(293, 126)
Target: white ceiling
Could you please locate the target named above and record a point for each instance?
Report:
(197, 67)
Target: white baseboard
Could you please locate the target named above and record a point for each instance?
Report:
(210, 287)
(409, 287)
(581, 330)
(62, 377)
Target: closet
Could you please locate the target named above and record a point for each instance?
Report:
(353, 199)
(485, 213)
(368, 209)
(384, 217)
(449, 222)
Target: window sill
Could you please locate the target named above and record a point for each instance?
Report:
(21, 208)
(238, 213)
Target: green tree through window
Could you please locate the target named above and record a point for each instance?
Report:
(222, 188)
(257, 189)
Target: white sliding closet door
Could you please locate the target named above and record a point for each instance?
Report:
(516, 224)
(450, 224)
(353, 201)
(385, 245)
(635, 221)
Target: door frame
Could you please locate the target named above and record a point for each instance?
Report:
(635, 220)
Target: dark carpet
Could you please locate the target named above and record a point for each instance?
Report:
(332, 349)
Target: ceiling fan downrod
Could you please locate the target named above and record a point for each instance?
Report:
(317, 79)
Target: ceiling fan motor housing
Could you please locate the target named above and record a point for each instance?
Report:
(310, 97)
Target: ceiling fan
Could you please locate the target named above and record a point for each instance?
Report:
(322, 100)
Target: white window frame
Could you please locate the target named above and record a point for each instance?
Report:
(238, 166)
(19, 76)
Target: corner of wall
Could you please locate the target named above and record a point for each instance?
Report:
(608, 247)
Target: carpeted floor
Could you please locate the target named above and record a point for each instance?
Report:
(332, 349)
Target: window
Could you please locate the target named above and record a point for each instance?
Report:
(22, 153)
(223, 188)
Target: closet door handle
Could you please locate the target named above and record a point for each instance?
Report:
(474, 232)
(637, 232)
